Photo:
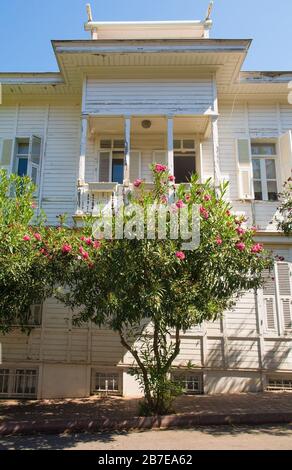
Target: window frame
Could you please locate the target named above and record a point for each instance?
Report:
(181, 376)
(263, 172)
(107, 372)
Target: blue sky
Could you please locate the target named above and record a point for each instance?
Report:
(27, 26)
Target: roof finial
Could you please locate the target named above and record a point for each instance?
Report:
(89, 12)
(209, 11)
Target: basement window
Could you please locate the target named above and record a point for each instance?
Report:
(106, 382)
(192, 383)
(284, 384)
(18, 383)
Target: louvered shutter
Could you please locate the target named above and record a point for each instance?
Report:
(104, 166)
(135, 165)
(284, 281)
(243, 152)
(269, 299)
(6, 147)
(34, 158)
(160, 156)
(285, 156)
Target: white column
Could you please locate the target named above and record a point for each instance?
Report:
(170, 160)
(127, 150)
(83, 142)
(215, 141)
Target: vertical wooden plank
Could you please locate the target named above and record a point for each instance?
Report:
(127, 150)
(215, 143)
(170, 159)
(81, 177)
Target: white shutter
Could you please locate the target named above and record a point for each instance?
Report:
(135, 165)
(269, 300)
(104, 166)
(6, 148)
(34, 158)
(160, 156)
(285, 293)
(245, 183)
(285, 142)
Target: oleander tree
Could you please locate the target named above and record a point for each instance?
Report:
(149, 291)
(284, 216)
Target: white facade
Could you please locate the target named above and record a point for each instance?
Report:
(199, 104)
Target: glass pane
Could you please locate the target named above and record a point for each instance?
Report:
(263, 149)
(22, 148)
(176, 144)
(258, 190)
(119, 144)
(184, 167)
(188, 144)
(271, 169)
(118, 170)
(256, 165)
(272, 191)
(105, 144)
(22, 167)
(34, 174)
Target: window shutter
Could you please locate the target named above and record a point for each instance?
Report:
(244, 169)
(269, 297)
(135, 165)
(160, 156)
(6, 147)
(34, 158)
(104, 165)
(285, 143)
(285, 292)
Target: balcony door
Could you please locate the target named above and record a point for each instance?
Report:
(184, 160)
(118, 167)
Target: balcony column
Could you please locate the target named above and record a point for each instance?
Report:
(170, 157)
(127, 150)
(215, 142)
(83, 142)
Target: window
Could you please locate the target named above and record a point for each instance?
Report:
(108, 382)
(27, 158)
(264, 171)
(112, 144)
(34, 316)
(184, 160)
(278, 383)
(19, 383)
(192, 383)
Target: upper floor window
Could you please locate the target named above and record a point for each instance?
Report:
(27, 158)
(264, 171)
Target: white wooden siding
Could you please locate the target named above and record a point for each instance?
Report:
(106, 97)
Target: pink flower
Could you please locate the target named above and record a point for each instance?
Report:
(33, 205)
(204, 213)
(37, 236)
(219, 241)
(228, 212)
(88, 241)
(163, 199)
(180, 255)
(96, 244)
(66, 248)
(187, 197)
(257, 248)
(44, 252)
(160, 168)
(82, 238)
(81, 250)
(180, 204)
(85, 255)
(138, 182)
(240, 231)
(171, 178)
(90, 265)
(207, 197)
(240, 246)
(26, 238)
(253, 229)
